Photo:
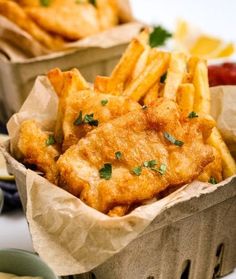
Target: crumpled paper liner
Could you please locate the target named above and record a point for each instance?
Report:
(18, 45)
(69, 235)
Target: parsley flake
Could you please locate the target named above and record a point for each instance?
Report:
(158, 36)
(45, 3)
(137, 170)
(150, 164)
(192, 114)
(163, 78)
(50, 140)
(118, 155)
(88, 119)
(171, 139)
(162, 169)
(104, 102)
(212, 180)
(106, 171)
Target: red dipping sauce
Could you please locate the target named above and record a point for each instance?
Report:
(223, 74)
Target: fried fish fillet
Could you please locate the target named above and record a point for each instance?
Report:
(16, 14)
(75, 102)
(38, 148)
(159, 134)
(72, 22)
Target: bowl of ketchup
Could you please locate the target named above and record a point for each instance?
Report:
(222, 74)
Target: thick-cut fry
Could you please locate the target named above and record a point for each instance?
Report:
(175, 75)
(100, 84)
(125, 67)
(147, 79)
(202, 91)
(141, 63)
(152, 94)
(185, 97)
(229, 165)
(191, 65)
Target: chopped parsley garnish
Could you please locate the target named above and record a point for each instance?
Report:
(104, 102)
(192, 114)
(88, 119)
(137, 170)
(150, 164)
(144, 107)
(171, 139)
(212, 180)
(45, 3)
(118, 155)
(162, 169)
(158, 36)
(106, 171)
(163, 78)
(50, 140)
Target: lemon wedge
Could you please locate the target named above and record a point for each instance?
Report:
(4, 175)
(192, 41)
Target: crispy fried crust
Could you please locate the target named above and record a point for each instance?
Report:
(138, 135)
(16, 14)
(35, 151)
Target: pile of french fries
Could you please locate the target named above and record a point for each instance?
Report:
(146, 73)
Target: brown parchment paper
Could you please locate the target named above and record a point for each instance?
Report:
(20, 46)
(70, 236)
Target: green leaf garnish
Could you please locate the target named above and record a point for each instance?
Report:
(88, 119)
(162, 169)
(137, 170)
(79, 120)
(212, 180)
(158, 36)
(150, 164)
(171, 139)
(50, 140)
(192, 114)
(45, 3)
(163, 78)
(118, 155)
(106, 171)
(104, 102)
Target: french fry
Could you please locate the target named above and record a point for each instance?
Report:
(185, 97)
(202, 91)
(125, 67)
(141, 63)
(100, 84)
(228, 163)
(152, 73)
(175, 75)
(152, 94)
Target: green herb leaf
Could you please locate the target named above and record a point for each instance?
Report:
(45, 3)
(192, 114)
(150, 164)
(106, 171)
(88, 119)
(171, 139)
(212, 180)
(137, 170)
(79, 120)
(118, 155)
(104, 102)
(50, 140)
(163, 78)
(162, 169)
(158, 36)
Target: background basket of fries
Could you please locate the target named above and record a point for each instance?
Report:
(35, 37)
(140, 164)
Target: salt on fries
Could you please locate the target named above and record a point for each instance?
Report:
(139, 75)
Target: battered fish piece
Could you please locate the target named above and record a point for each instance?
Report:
(72, 22)
(38, 148)
(158, 148)
(16, 14)
(80, 111)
